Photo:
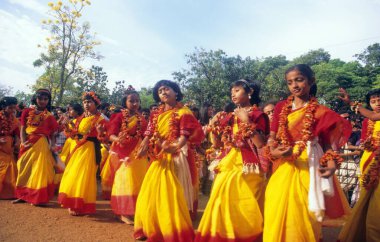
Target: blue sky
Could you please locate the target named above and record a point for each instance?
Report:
(145, 41)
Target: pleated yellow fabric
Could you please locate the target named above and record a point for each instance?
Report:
(78, 185)
(234, 211)
(67, 147)
(127, 184)
(161, 210)
(363, 224)
(8, 169)
(35, 181)
(287, 217)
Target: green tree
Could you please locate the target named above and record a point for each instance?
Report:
(93, 80)
(68, 45)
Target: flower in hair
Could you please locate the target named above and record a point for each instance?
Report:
(92, 95)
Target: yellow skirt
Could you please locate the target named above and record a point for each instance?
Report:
(67, 147)
(127, 184)
(234, 210)
(78, 186)
(35, 181)
(161, 210)
(363, 224)
(286, 216)
(107, 175)
(8, 170)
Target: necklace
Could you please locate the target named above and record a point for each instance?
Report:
(370, 179)
(32, 120)
(308, 121)
(173, 127)
(125, 133)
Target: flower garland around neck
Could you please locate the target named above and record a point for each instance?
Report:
(31, 117)
(124, 134)
(173, 127)
(225, 132)
(5, 124)
(283, 136)
(74, 131)
(370, 179)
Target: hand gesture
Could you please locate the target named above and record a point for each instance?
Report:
(281, 151)
(143, 148)
(168, 147)
(328, 170)
(344, 96)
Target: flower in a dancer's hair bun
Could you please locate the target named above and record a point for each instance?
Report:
(130, 88)
(92, 95)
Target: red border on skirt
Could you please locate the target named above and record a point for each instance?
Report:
(124, 205)
(36, 196)
(183, 236)
(217, 238)
(76, 204)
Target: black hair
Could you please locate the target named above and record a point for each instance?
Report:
(196, 111)
(249, 85)
(77, 108)
(7, 101)
(170, 84)
(125, 97)
(308, 73)
(203, 113)
(229, 107)
(374, 92)
(42, 92)
(271, 101)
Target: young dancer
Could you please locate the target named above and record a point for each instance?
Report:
(9, 137)
(35, 181)
(77, 191)
(167, 194)
(234, 210)
(302, 188)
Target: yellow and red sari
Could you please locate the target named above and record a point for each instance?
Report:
(130, 171)
(166, 195)
(363, 224)
(287, 215)
(35, 181)
(78, 185)
(8, 167)
(235, 209)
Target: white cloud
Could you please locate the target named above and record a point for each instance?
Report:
(31, 4)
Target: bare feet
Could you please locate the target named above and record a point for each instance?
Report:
(72, 212)
(18, 201)
(141, 238)
(127, 219)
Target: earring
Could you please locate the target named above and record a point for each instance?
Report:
(249, 96)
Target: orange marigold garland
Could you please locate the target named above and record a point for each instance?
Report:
(238, 139)
(173, 127)
(5, 124)
(283, 136)
(32, 121)
(125, 135)
(330, 155)
(245, 130)
(370, 179)
(74, 131)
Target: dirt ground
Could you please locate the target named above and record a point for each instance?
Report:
(23, 222)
